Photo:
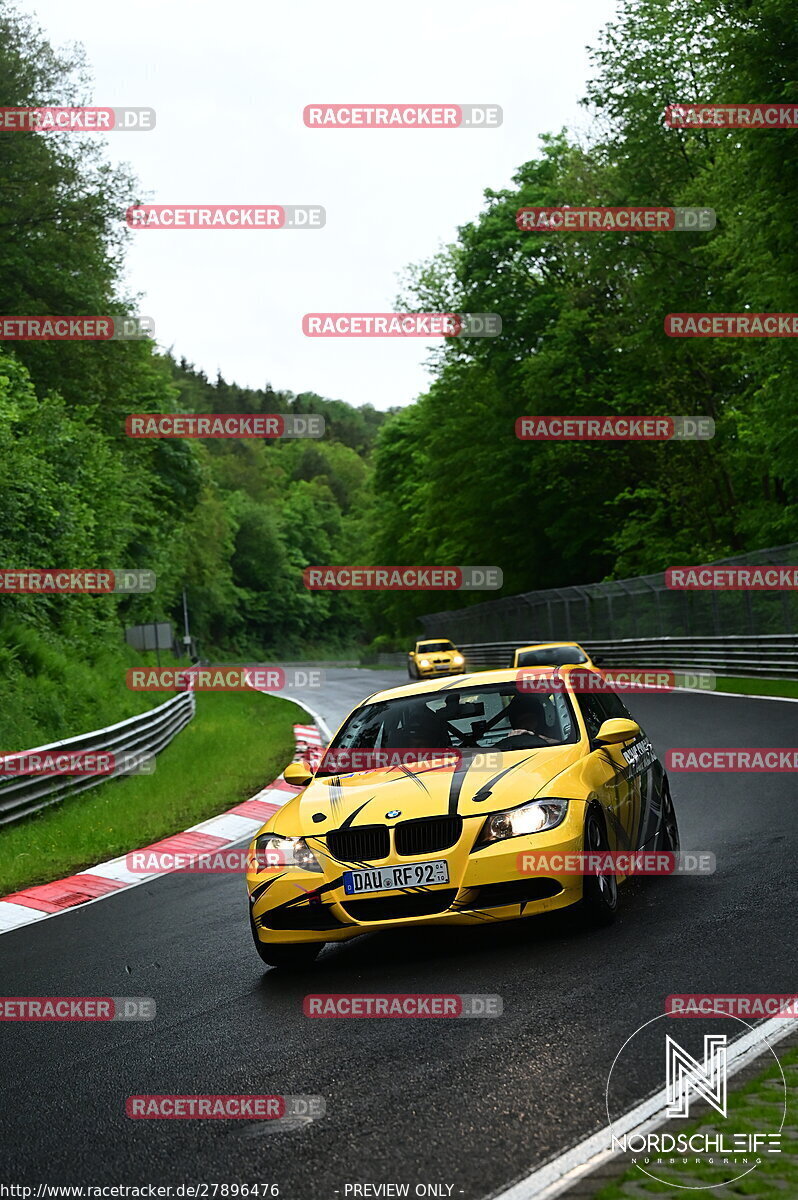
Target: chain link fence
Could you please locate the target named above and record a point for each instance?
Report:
(642, 607)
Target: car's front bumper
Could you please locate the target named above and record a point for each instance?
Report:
(291, 905)
(433, 671)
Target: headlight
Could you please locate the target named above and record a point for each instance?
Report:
(275, 851)
(423, 662)
(458, 660)
(534, 817)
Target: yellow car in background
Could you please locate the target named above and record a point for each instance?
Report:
(553, 654)
(432, 798)
(432, 657)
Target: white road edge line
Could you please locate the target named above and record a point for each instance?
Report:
(324, 728)
(568, 1168)
(553, 1179)
(27, 917)
(152, 878)
(40, 916)
(733, 695)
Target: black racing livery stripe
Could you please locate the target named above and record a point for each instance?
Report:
(319, 891)
(257, 892)
(336, 794)
(415, 776)
(352, 815)
(486, 790)
(456, 786)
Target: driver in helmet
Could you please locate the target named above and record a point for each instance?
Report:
(526, 715)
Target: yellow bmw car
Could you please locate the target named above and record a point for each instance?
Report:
(553, 654)
(430, 798)
(434, 656)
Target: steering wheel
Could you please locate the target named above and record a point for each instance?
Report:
(467, 741)
(516, 737)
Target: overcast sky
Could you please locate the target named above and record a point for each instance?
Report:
(229, 82)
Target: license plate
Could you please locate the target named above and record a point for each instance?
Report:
(386, 879)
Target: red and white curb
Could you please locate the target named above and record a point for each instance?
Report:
(108, 878)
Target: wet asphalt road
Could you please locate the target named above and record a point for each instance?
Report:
(468, 1103)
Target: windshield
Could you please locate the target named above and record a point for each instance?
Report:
(431, 647)
(496, 717)
(554, 656)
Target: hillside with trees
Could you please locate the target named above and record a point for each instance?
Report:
(442, 480)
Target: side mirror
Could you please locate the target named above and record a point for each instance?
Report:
(618, 730)
(298, 774)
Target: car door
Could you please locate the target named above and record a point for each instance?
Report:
(610, 774)
(644, 775)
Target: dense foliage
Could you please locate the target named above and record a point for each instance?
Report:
(232, 522)
(443, 480)
(583, 328)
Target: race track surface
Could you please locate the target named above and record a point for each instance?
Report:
(468, 1103)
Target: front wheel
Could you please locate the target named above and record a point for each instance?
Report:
(412, 670)
(599, 902)
(668, 838)
(291, 958)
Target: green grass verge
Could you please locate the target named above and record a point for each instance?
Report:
(755, 1107)
(759, 687)
(237, 743)
(51, 693)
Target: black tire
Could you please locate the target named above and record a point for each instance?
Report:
(290, 957)
(599, 902)
(668, 835)
(412, 670)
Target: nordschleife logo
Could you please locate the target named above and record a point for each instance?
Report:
(688, 1134)
(685, 1076)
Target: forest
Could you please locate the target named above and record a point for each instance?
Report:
(442, 480)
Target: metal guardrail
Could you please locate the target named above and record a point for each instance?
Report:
(145, 734)
(769, 656)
